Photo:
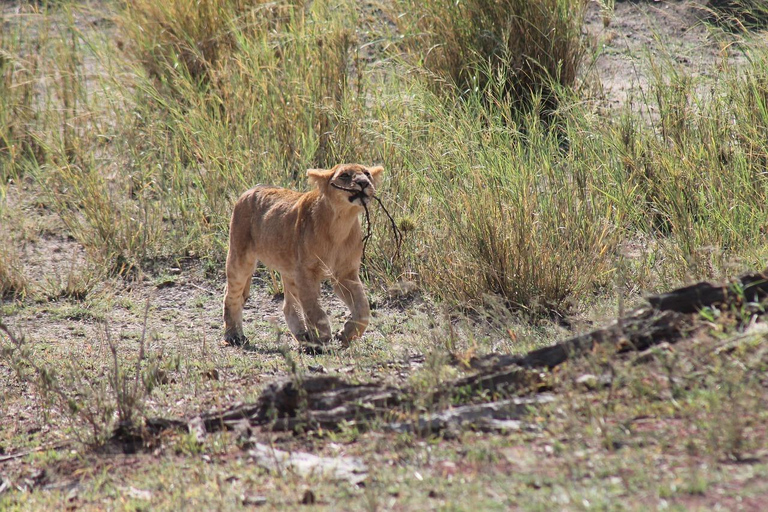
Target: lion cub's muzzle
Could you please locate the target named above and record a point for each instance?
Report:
(362, 192)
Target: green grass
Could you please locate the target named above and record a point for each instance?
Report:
(685, 425)
(524, 205)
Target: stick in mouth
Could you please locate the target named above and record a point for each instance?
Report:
(356, 194)
(365, 199)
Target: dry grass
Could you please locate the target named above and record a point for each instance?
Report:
(13, 281)
(523, 50)
(137, 138)
(740, 15)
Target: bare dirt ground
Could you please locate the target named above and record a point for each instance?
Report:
(671, 30)
(648, 451)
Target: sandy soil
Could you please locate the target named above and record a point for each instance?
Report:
(667, 30)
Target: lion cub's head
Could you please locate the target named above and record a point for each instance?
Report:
(351, 184)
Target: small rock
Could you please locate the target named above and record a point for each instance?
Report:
(72, 494)
(253, 500)
(309, 498)
(139, 494)
(197, 428)
(587, 380)
(447, 468)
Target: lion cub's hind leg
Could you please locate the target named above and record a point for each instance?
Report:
(240, 267)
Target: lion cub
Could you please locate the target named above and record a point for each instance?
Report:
(308, 238)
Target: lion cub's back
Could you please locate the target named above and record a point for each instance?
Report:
(267, 217)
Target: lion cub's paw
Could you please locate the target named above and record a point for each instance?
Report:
(235, 340)
(341, 338)
(312, 345)
(313, 349)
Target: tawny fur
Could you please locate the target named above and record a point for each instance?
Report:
(308, 238)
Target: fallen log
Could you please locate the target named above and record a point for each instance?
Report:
(308, 403)
(492, 416)
(690, 299)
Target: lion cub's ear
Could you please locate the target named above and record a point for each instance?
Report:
(376, 174)
(320, 177)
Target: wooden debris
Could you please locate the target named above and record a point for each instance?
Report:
(306, 464)
(492, 416)
(306, 404)
(690, 299)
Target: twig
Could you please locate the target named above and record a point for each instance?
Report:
(395, 230)
(201, 288)
(368, 232)
(18, 455)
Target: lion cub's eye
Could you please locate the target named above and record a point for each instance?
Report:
(367, 174)
(345, 177)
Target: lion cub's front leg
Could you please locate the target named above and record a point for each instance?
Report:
(351, 291)
(303, 314)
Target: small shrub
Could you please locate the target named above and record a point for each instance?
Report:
(195, 36)
(13, 282)
(92, 401)
(117, 233)
(192, 34)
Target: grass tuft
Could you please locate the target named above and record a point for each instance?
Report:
(13, 281)
(535, 46)
(739, 15)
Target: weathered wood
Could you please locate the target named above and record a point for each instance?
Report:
(642, 329)
(498, 415)
(305, 404)
(351, 469)
(508, 378)
(691, 299)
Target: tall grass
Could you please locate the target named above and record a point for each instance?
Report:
(739, 15)
(534, 46)
(699, 174)
(270, 108)
(13, 281)
(18, 71)
(145, 160)
(500, 209)
(189, 34)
